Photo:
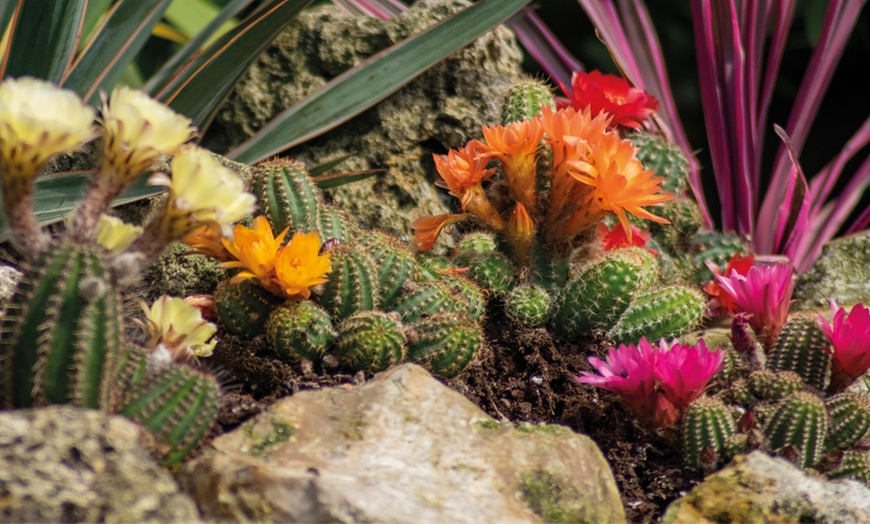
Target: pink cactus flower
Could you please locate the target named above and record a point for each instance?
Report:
(656, 382)
(849, 336)
(764, 292)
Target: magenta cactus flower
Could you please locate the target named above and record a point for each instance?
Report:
(764, 292)
(849, 336)
(656, 382)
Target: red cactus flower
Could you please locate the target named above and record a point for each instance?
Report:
(720, 301)
(849, 336)
(765, 293)
(611, 94)
(617, 238)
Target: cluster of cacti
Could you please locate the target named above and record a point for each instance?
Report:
(370, 303)
(63, 332)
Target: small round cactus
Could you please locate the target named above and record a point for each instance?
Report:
(665, 158)
(528, 304)
(244, 308)
(800, 422)
(395, 263)
(445, 343)
(300, 330)
(801, 348)
(430, 266)
(475, 243)
(525, 99)
(351, 286)
(286, 194)
(854, 465)
(707, 426)
(596, 298)
(494, 272)
(371, 341)
(850, 420)
(664, 313)
(772, 385)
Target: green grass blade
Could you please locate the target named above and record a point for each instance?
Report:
(7, 9)
(56, 195)
(93, 15)
(45, 38)
(204, 84)
(365, 85)
(172, 66)
(190, 17)
(114, 46)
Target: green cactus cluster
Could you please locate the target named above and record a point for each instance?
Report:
(707, 429)
(525, 99)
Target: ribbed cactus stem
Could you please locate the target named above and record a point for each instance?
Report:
(352, 284)
(529, 305)
(663, 313)
(301, 330)
(774, 385)
(799, 423)
(244, 308)
(801, 348)
(850, 420)
(61, 330)
(664, 157)
(333, 224)
(525, 99)
(493, 272)
(371, 341)
(427, 298)
(707, 428)
(286, 195)
(854, 465)
(395, 262)
(444, 342)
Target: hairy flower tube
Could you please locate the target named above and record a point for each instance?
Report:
(603, 93)
(764, 293)
(720, 300)
(849, 335)
(656, 382)
(299, 265)
(175, 326)
(38, 120)
(201, 191)
(207, 239)
(255, 251)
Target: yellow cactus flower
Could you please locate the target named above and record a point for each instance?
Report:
(255, 251)
(139, 131)
(116, 235)
(299, 265)
(179, 327)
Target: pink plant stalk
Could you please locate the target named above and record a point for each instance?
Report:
(849, 336)
(656, 382)
(764, 292)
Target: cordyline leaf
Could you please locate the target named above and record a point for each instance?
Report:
(192, 48)
(7, 9)
(794, 209)
(544, 47)
(383, 9)
(340, 179)
(58, 194)
(363, 86)
(324, 167)
(44, 38)
(115, 44)
(93, 15)
(207, 80)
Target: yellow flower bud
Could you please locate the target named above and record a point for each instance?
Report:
(116, 235)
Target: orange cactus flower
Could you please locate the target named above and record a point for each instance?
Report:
(207, 239)
(515, 146)
(620, 185)
(521, 234)
(299, 265)
(255, 251)
(463, 170)
(602, 93)
(427, 229)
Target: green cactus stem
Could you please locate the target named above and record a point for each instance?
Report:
(595, 299)
(528, 304)
(445, 343)
(333, 224)
(850, 420)
(468, 296)
(178, 404)
(286, 195)
(61, 330)
(718, 248)
(771, 385)
(427, 298)
(352, 283)
(800, 423)
(474, 243)
(244, 308)
(525, 99)
(549, 271)
(300, 330)
(664, 313)
(707, 427)
(371, 341)
(395, 264)
(801, 348)
(854, 465)
(494, 272)
(664, 157)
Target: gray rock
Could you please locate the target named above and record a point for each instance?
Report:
(401, 448)
(8, 280)
(841, 273)
(761, 488)
(441, 109)
(64, 464)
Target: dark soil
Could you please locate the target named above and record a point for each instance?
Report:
(523, 375)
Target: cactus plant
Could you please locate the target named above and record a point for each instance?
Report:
(707, 427)
(854, 465)
(371, 341)
(850, 420)
(69, 307)
(525, 99)
(351, 286)
(244, 308)
(663, 313)
(286, 195)
(800, 422)
(395, 263)
(528, 304)
(770, 385)
(474, 243)
(494, 272)
(665, 158)
(333, 224)
(427, 298)
(801, 348)
(444, 342)
(300, 330)
(596, 298)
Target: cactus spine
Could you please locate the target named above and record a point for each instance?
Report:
(494, 272)
(244, 308)
(445, 343)
(770, 385)
(799, 422)
(333, 224)
(528, 304)
(801, 348)
(524, 100)
(707, 428)
(371, 341)
(664, 313)
(286, 195)
(301, 330)
(850, 420)
(596, 298)
(394, 261)
(351, 285)
(61, 330)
